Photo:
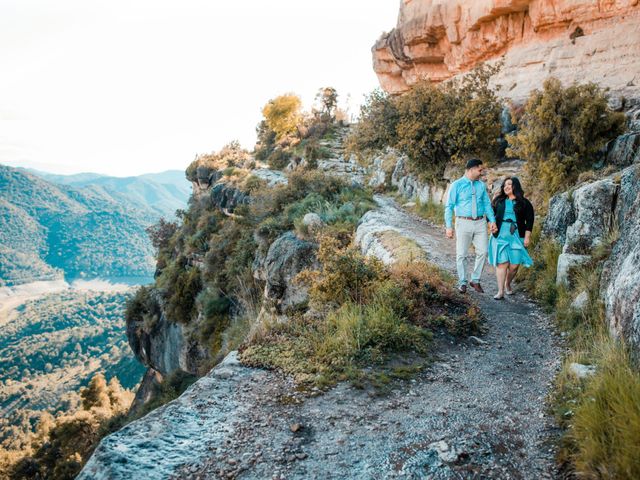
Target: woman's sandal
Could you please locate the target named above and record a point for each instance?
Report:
(508, 292)
(498, 297)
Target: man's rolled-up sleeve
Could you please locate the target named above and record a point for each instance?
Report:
(449, 206)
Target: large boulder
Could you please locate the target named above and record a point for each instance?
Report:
(560, 215)
(566, 263)
(621, 275)
(287, 256)
(411, 187)
(227, 197)
(593, 205)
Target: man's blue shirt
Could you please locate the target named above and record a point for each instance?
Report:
(460, 197)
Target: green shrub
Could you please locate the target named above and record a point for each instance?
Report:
(377, 125)
(433, 124)
(561, 132)
(181, 293)
(279, 158)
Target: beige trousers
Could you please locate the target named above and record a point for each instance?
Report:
(468, 232)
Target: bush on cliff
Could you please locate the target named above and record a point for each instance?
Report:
(561, 132)
(230, 155)
(360, 313)
(433, 125)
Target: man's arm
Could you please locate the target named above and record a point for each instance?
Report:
(449, 206)
(488, 209)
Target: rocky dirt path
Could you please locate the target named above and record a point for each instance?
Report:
(477, 412)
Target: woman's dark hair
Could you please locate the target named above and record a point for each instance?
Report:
(517, 191)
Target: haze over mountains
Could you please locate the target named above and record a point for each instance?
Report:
(84, 225)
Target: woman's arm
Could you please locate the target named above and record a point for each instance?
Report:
(529, 219)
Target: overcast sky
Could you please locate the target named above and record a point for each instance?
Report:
(125, 87)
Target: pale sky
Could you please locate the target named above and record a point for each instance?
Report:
(124, 87)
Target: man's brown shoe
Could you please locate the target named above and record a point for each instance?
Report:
(477, 287)
(462, 288)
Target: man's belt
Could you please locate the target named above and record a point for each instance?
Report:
(470, 218)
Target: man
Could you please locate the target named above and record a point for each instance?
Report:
(469, 199)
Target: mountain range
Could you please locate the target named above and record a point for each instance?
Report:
(84, 225)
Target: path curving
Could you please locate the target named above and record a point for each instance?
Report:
(478, 412)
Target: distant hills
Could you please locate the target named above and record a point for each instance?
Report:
(162, 193)
(84, 225)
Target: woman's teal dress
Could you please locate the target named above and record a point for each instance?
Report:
(507, 246)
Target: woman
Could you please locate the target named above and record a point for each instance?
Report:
(507, 247)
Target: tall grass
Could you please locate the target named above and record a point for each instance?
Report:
(600, 413)
(431, 211)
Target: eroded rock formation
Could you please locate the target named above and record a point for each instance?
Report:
(573, 40)
(604, 211)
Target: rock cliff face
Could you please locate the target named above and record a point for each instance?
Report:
(167, 345)
(583, 220)
(572, 40)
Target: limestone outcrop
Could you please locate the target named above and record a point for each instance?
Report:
(573, 40)
(604, 211)
(287, 256)
(621, 276)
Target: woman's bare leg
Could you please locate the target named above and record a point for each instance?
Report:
(501, 276)
(511, 274)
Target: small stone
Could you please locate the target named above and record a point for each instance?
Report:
(582, 371)
(232, 461)
(477, 341)
(312, 221)
(581, 300)
(295, 427)
(301, 456)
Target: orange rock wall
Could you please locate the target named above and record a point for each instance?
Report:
(574, 40)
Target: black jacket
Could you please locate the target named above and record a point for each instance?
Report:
(524, 215)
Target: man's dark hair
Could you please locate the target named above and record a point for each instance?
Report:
(473, 162)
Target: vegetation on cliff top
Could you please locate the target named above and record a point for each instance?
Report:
(433, 125)
(561, 132)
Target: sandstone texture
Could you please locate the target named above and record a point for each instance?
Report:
(572, 40)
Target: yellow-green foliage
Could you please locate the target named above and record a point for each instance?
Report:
(601, 413)
(561, 132)
(433, 124)
(430, 210)
(346, 275)
(282, 114)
